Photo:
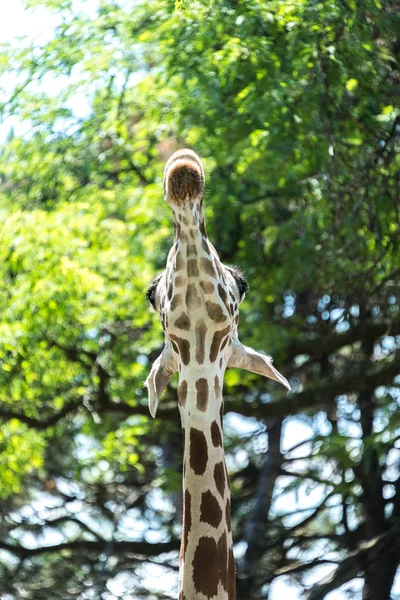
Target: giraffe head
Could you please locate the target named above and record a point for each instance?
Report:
(196, 296)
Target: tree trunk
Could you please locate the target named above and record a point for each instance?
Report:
(379, 577)
(257, 527)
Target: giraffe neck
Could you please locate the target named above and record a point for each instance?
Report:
(189, 220)
(207, 568)
(199, 324)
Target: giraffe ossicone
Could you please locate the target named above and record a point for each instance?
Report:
(198, 298)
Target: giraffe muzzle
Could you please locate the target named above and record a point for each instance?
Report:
(183, 178)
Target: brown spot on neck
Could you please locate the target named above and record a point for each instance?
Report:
(198, 451)
(202, 394)
(192, 269)
(215, 312)
(205, 567)
(187, 520)
(183, 322)
(179, 281)
(219, 477)
(192, 299)
(231, 575)
(216, 342)
(228, 514)
(184, 347)
(207, 267)
(170, 290)
(176, 301)
(223, 564)
(202, 228)
(223, 344)
(200, 333)
(205, 245)
(217, 387)
(216, 436)
(210, 510)
(207, 286)
(182, 393)
(179, 262)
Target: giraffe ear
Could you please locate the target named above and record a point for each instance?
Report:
(161, 372)
(246, 358)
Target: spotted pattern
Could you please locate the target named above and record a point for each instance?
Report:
(192, 268)
(180, 281)
(187, 520)
(217, 387)
(200, 333)
(197, 300)
(205, 573)
(223, 565)
(183, 322)
(182, 393)
(231, 575)
(202, 394)
(210, 510)
(176, 301)
(215, 312)
(210, 566)
(179, 262)
(184, 347)
(216, 342)
(207, 286)
(192, 299)
(205, 246)
(198, 451)
(224, 343)
(228, 515)
(216, 436)
(223, 295)
(207, 266)
(219, 477)
(174, 346)
(202, 228)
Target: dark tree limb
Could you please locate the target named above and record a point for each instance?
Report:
(119, 548)
(258, 519)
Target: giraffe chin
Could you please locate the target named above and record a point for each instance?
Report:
(183, 177)
(184, 183)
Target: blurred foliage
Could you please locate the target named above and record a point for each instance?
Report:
(293, 107)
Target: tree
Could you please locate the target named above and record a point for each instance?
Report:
(292, 107)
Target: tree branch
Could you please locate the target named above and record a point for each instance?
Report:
(367, 552)
(323, 345)
(119, 547)
(34, 423)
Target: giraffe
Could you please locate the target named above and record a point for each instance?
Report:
(197, 299)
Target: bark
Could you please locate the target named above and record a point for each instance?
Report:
(379, 578)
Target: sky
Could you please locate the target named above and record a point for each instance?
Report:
(15, 21)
